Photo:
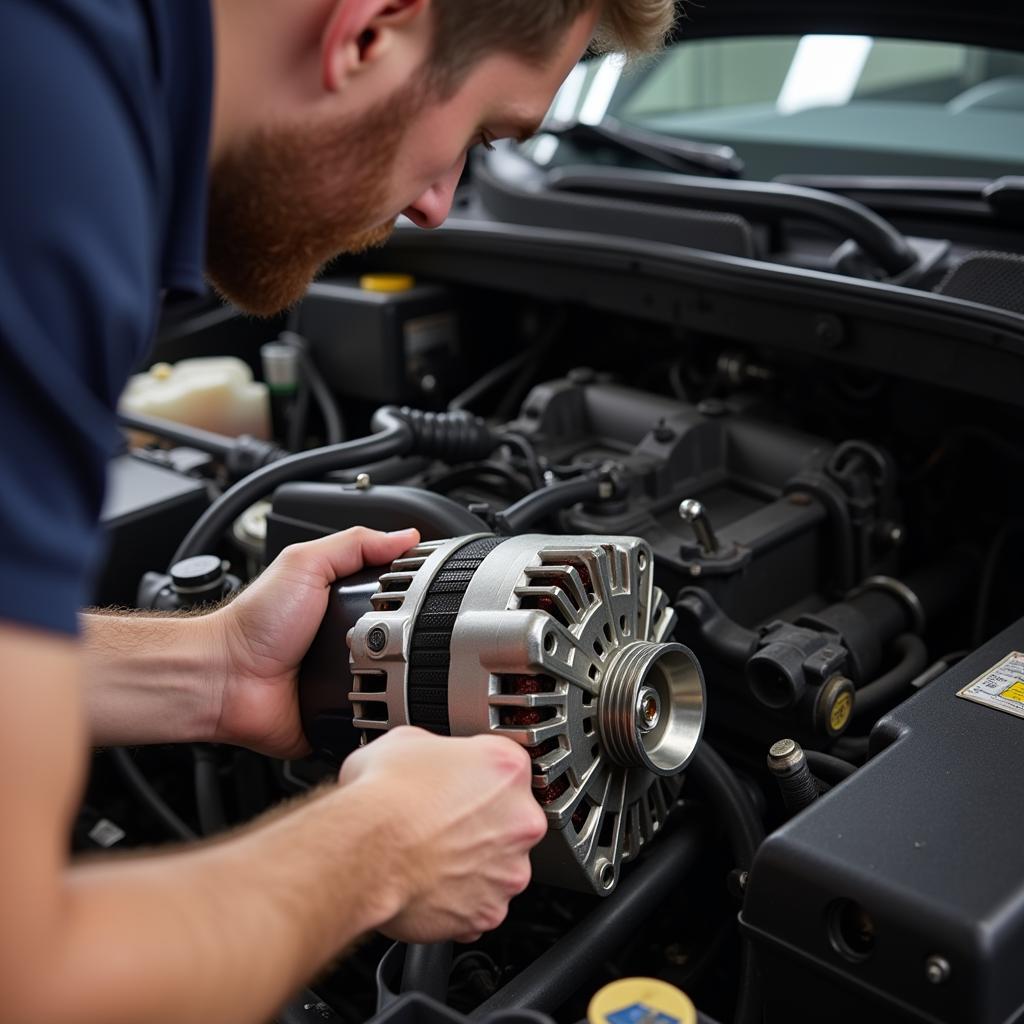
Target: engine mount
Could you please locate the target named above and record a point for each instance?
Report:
(559, 643)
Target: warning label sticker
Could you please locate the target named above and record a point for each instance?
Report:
(1001, 687)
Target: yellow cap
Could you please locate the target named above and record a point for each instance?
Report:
(640, 1001)
(839, 715)
(387, 282)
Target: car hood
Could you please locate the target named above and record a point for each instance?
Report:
(992, 23)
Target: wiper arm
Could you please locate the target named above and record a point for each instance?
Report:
(1002, 198)
(681, 155)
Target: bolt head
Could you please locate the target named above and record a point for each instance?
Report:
(783, 748)
(648, 708)
(377, 639)
(363, 482)
(691, 510)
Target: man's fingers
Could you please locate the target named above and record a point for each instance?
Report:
(344, 553)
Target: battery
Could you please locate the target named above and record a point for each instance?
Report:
(383, 338)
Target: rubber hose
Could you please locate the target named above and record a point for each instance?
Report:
(888, 689)
(180, 433)
(534, 507)
(427, 969)
(394, 437)
(490, 379)
(140, 786)
(709, 773)
(334, 427)
(832, 769)
(554, 976)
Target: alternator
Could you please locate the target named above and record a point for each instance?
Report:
(561, 644)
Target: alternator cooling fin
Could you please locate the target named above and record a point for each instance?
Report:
(430, 646)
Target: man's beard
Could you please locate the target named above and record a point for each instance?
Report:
(289, 200)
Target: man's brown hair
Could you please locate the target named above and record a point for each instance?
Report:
(467, 30)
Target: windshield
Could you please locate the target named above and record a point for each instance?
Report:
(814, 105)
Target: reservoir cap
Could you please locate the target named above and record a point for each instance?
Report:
(640, 1001)
(387, 282)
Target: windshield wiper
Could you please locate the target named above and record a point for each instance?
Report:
(1002, 198)
(682, 155)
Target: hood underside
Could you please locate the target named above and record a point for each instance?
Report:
(991, 23)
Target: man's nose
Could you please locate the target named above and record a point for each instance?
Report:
(434, 205)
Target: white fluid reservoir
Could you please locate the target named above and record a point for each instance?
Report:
(216, 393)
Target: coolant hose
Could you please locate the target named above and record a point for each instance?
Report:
(828, 768)
(450, 437)
(888, 689)
(534, 507)
(394, 436)
(207, 441)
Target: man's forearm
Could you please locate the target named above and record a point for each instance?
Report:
(228, 931)
(150, 679)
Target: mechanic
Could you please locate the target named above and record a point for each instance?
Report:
(146, 141)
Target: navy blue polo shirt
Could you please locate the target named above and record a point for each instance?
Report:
(105, 110)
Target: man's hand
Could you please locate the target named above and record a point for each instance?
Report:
(459, 819)
(266, 631)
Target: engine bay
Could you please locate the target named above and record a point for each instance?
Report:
(720, 589)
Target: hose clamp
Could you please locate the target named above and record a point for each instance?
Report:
(899, 590)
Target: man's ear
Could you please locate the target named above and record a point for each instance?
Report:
(360, 32)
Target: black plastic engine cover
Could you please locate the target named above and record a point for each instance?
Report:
(926, 843)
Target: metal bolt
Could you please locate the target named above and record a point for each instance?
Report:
(787, 762)
(695, 569)
(363, 482)
(377, 639)
(648, 708)
(784, 754)
(736, 883)
(694, 513)
(937, 969)
(663, 433)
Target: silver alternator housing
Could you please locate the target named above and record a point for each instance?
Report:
(561, 644)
